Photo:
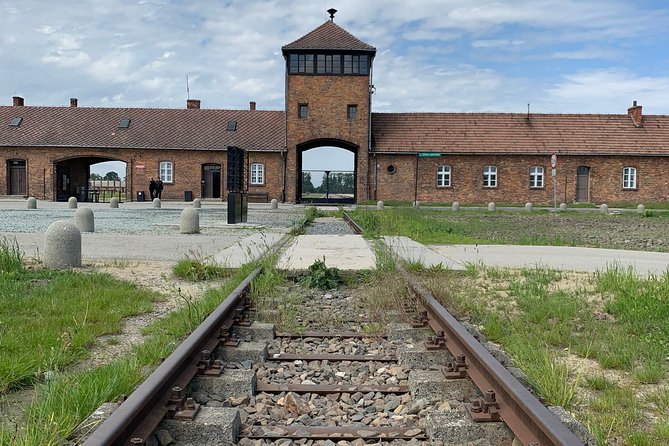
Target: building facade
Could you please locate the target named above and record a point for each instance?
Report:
(430, 157)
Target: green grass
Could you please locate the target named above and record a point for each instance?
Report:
(194, 269)
(50, 318)
(63, 400)
(540, 325)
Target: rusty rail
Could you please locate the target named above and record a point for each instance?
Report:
(355, 226)
(140, 414)
(525, 415)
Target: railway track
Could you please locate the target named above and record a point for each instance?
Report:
(336, 378)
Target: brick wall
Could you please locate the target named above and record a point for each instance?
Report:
(513, 179)
(327, 98)
(141, 165)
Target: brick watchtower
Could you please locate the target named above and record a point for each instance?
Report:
(328, 100)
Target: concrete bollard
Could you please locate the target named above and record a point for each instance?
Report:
(528, 206)
(416, 204)
(190, 221)
(197, 203)
(274, 204)
(113, 203)
(641, 209)
(492, 207)
(604, 208)
(31, 203)
(379, 205)
(62, 245)
(455, 206)
(72, 203)
(563, 206)
(156, 203)
(84, 219)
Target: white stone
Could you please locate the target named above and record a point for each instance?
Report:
(62, 245)
(274, 204)
(113, 203)
(492, 207)
(197, 203)
(72, 203)
(190, 221)
(416, 204)
(641, 209)
(528, 206)
(455, 206)
(563, 206)
(84, 219)
(379, 205)
(156, 203)
(604, 208)
(31, 203)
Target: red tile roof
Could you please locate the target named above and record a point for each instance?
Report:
(150, 128)
(509, 133)
(329, 36)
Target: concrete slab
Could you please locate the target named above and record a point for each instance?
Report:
(558, 257)
(247, 249)
(346, 252)
(414, 252)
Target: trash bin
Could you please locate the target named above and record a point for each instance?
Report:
(188, 195)
(140, 195)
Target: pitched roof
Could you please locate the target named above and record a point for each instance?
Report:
(511, 133)
(150, 128)
(329, 36)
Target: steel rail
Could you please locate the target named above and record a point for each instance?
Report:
(525, 415)
(141, 413)
(355, 226)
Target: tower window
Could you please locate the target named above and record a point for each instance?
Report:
(352, 112)
(303, 111)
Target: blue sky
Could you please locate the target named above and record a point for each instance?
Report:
(559, 56)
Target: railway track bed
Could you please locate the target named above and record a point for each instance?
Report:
(336, 371)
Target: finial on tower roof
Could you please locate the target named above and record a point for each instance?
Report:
(332, 13)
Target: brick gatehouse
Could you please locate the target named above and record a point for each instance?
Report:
(431, 157)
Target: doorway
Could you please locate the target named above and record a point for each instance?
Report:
(326, 172)
(211, 181)
(17, 177)
(582, 184)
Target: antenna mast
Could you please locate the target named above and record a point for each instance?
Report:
(187, 88)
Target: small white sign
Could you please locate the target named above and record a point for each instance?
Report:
(553, 161)
(554, 172)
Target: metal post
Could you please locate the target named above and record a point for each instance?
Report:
(327, 185)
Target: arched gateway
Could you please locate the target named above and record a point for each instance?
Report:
(328, 101)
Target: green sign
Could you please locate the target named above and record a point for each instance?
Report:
(428, 154)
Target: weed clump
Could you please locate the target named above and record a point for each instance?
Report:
(320, 276)
(196, 270)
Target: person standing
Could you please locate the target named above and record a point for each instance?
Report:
(159, 188)
(152, 188)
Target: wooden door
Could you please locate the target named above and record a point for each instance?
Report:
(582, 184)
(17, 177)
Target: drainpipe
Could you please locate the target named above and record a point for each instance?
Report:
(376, 178)
(284, 161)
(416, 189)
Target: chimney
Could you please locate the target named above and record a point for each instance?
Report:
(18, 101)
(252, 105)
(635, 113)
(193, 103)
(74, 103)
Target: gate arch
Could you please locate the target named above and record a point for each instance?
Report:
(327, 142)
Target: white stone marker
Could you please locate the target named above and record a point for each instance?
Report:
(156, 203)
(31, 203)
(604, 208)
(72, 203)
(62, 245)
(190, 221)
(197, 203)
(113, 203)
(563, 206)
(416, 204)
(492, 207)
(84, 219)
(528, 206)
(641, 209)
(379, 205)
(274, 204)
(455, 206)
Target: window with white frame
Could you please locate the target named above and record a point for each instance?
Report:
(629, 178)
(166, 171)
(536, 177)
(444, 176)
(490, 176)
(257, 173)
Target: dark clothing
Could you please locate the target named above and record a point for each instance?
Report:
(152, 188)
(159, 189)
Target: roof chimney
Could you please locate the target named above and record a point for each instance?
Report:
(74, 103)
(635, 113)
(252, 105)
(193, 103)
(18, 101)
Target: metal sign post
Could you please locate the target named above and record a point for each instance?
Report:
(554, 174)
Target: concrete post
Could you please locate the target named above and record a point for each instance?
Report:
(190, 221)
(274, 204)
(72, 203)
(31, 203)
(492, 207)
(379, 205)
(113, 203)
(62, 245)
(641, 209)
(604, 208)
(156, 203)
(197, 203)
(84, 219)
(416, 204)
(455, 206)
(563, 206)
(528, 206)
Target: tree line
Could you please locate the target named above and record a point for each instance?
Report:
(338, 183)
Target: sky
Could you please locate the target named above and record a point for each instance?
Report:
(558, 56)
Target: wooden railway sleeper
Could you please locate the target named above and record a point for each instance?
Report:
(484, 409)
(455, 369)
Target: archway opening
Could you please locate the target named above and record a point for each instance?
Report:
(327, 173)
(90, 179)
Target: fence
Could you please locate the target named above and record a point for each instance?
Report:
(102, 191)
(328, 186)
